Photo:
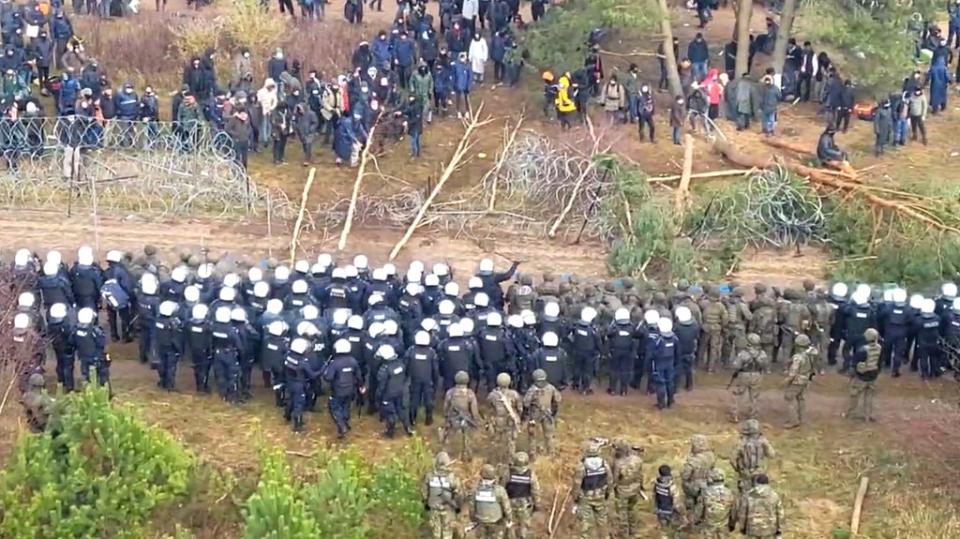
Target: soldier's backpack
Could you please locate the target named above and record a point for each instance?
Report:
(872, 363)
(114, 295)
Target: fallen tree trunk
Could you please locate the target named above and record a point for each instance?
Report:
(842, 166)
(702, 175)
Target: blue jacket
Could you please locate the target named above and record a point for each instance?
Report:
(68, 95)
(343, 139)
(404, 53)
(60, 28)
(127, 104)
(697, 51)
(498, 47)
(462, 77)
(939, 79)
(664, 351)
(381, 51)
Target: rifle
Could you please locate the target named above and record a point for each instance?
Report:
(733, 378)
(510, 410)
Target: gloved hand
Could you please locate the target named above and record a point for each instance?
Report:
(426, 506)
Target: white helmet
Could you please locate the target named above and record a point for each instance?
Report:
(422, 338)
(179, 274)
(379, 274)
(274, 306)
(204, 271)
(338, 273)
(318, 269)
(386, 351)
(310, 312)
(588, 314)
(238, 314)
(325, 260)
(683, 314)
(550, 339)
(299, 287)
(899, 295)
(23, 256)
(429, 324)
(167, 308)
(412, 288)
(862, 289)
(481, 299)
(451, 289)
(441, 269)
(148, 284)
(54, 257)
(261, 289)
(916, 301)
(928, 306)
(528, 317)
(231, 279)
(416, 266)
(281, 273)
(956, 305)
(390, 327)
(342, 346)
(57, 311)
(446, 307)
(340, 316)
(494, 319)
(200, 311)
(306, 329)
(351, 271)
(355, 322)
(389, 269)
(191, 294)
(456, 330)
(432, 280)
(515, 321)
(222, 314)
(360, 262)
(949, 290)
(551, 309)
(85, 256)
(860, 297)
(414, 276)
(254, 275)
(26, 300)
(665, 325)
(22, 320)
(299, 346)
(114, 256)
(85, 316)
(888, 295)
(839, 290)
(651, 316)
(466, 326)
(374, 299)
(49, 268)
(228, 294)
(276, 328)
(375, 329)
(621, 315)
(486, 266)
(302, 266)
(475, 283)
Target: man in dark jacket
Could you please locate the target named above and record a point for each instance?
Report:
(195, 78)
(645, 108)
(842, 119)
(699, 55)
(404, 57)
(282, 122)
(307, 125)
(413, 114)
(238, 127)
(882, 127)
(41, 50)
(827, 149)
(769, 101)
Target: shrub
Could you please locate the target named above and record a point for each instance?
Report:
(275, 510)
(102, 474)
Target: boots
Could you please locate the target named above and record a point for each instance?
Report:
(429, 420)
(298, 423)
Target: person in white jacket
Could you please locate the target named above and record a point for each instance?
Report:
(478, 57)
(471, 8)
(267, 98)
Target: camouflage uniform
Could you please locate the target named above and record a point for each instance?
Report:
(866, 367)
(523, 489)
(37, 404)
(507, 408)
(714, 512)
(761, 515)
(591, 488)
(765, 324)
(541, 405)
(749, 366)
(461, 413)
(682, 298)
(441, 490)
(750, 456)
(696, 470)
(795, 320)
(490, 506)
(799, 375)
(823, 314)
(738, 316)
(627, 486)
(714, 321)
(522, 296)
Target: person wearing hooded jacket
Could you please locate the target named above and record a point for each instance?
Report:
(882, 127)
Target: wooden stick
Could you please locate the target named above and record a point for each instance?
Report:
(364, 156)
(462, 147)
(553, 510)
(560, 513)
(627, 211)
(683, 192)
(573, 196)
(303, 207)
(703, 175)
(501, 157)
(858, 506)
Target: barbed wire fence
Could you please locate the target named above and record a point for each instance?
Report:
(160, 168)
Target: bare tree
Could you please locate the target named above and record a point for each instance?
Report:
(744, 14)
(783, 35)
(673, 75)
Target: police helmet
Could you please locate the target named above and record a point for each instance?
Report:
(355, 322)
(306, 329)
(85, 256)
(665, 325)
(588, 314)
(839, 290)
(360, 262)
(928, 306)
(299, 346)
(191, 294)
(949, 290)
(274, 306)
(475, 283)
(422, 338)
(386, 352)
(515, 321)
(414, 276)
(340, 316)
(58, 311)
(302, 266)
(622, 315)
(651, 317)
(282, 273)
(412, 289)
(255, 274)
(429, 324)
(550, 339)
(466, 326)
(451, 289)
(899, 295)
(956, 305)
(446, 307)
(204, 271)
(338, 274)
(683, 314)
(342, 346)
(199, 311)
(148, 284)
(231, 280)
(416, 266)
(299, 287)
(222, 314)
(325, 260)
(379, 274)
(456, 330)
(238, 314)
(390, 327)
(351, 271)
(276, 328)
(50, 269)
(494, 319)
(310, 312)
(916, 301)
(112, 256)
(486, 267)
(167, 308)
(551, 309)
(228, 294)
(22, 320)
(529, 319)
(261, 289)
(389, 269)
(26, 300)
(54, 257)
(481, 299)
(375, 329)
(431, 280)
(86, 315)
(179, 274)
(440, 269)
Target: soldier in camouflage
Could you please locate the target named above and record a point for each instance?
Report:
(738, 317)
(751, 455)
(765, 324)
(37, 404)
(628, 494)
(748, 374)
(795, 319)
(522, 296)
(761, 514)
(441, 492)
(819, 333)
(461, 413)
(714, 322)
(541, 405)
(866, 368)
(523, 489)
(490, 509)
(591, 489)
(799, 376)
(696, 469)
(507, 407)
(714, 513)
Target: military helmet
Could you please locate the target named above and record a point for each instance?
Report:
(36, 380)
(871, 335)
(716, 476)
(441, 460)
(591, 449)
(737, 292)
(750, 426)
(698, 443)
(621, 444)
(627, 283)
(520, 458)
(760, 288)
(488, 472)
(539, 375)
(526, 279)
(683, 285)
(503, 380)
(149, 250)
(809, 285)
(548, 276)
(461, 378)
(801, 340)
(753, 339)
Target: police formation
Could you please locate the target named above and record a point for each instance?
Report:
(390, 342)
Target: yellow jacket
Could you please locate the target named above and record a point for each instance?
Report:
(563, 101)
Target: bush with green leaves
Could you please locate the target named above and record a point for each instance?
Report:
(102, 474)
